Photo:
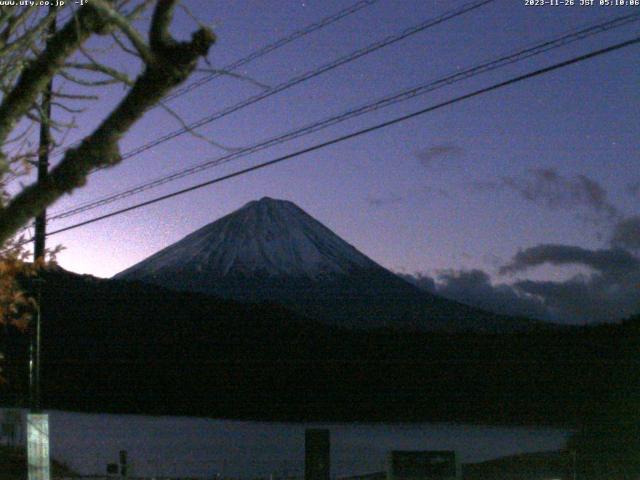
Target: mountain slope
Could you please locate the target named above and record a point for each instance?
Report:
(263, 238)
(272, 251)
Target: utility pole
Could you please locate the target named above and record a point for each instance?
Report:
(37, 423)
(41, 223)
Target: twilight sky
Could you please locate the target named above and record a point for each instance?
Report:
(524, 199)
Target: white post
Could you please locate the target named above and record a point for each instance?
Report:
(38, 446)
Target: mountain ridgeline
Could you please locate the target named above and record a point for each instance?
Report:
(272, 251)
(266, 314)
(114, 346)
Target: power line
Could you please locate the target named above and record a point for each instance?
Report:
(389, 40)
(273, 46)
(279, 43)
(367, 108)
(343, 138)
(448, 15)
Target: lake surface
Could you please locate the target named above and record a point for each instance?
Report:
(187, 446)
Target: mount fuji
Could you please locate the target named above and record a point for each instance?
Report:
(272, 251)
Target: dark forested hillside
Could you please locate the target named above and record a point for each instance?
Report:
(113, 346)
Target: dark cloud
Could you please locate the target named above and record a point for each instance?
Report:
(546, 187)
(606, 261)
(492, 260)
(383, 201)
(421, 280)
(626, 233)
(474, 287)
(611, 292)
(445, 151)
(596, 298)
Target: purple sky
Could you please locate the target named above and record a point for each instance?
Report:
(549, 161)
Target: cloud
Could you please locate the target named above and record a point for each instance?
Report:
(383, 201)
(611, 292)
(626, 233)
(474, 287)
(596, 298)
(605, 261)
(444, 151)
(546, 187)
(420, 280)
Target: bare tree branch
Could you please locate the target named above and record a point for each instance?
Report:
(123, 47)
(38, 73)
(124, 25)
(168, 64)
(192, 131)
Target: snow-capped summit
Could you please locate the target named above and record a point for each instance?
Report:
(265, 237)
(272, 251)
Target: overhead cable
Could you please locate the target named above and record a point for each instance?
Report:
(404, 95)
(389, 40)
(358, 133)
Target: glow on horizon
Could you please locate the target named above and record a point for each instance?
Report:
(462, 188)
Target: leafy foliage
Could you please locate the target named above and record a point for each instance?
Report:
(15, 305)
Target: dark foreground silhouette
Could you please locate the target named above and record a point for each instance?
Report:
(110, 346)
